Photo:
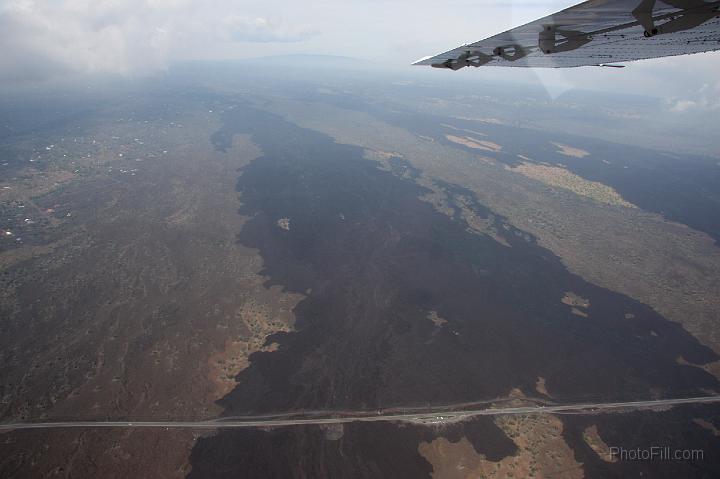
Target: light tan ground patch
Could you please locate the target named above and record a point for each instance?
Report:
(226, 364)
(542, 452)
(284, 223)
(488, 120)
(570, 150)
(563, 178)
(592, 438)
(378, 155)
(455, 460)
(540, 386)
(579, 304)
(439, 200)
(260, 321)
(437, 320)
(475, 143)
(572, 299)
(481, 225)
(472, 132)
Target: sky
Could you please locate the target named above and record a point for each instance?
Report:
(43, 39)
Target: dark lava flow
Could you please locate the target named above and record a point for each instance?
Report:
(683, 188)
(674, 429)
(374, 260)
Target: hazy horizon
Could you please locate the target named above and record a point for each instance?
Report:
(45, 39)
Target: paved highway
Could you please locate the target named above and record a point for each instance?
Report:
(364, 416)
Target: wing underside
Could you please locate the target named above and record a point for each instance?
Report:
(596, 32)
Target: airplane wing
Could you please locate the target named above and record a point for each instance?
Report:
(596, 32)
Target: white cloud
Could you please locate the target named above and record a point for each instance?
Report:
(42, 37)
(706, 99)
(260, 29)
(39, 38)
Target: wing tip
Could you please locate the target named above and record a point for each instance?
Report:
(422, 61)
